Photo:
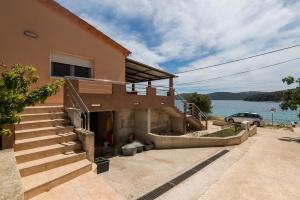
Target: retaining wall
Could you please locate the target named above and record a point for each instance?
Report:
(169, 142)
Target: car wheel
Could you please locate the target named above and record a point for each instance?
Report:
(231, 121)
(256, 123)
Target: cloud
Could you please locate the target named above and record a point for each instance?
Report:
(201, 33)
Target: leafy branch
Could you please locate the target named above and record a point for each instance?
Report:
(16, 94)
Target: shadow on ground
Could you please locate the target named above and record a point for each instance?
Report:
(290, 139)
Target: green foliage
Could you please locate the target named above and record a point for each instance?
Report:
(231, 131)
(266, 96)
(291, 98)
(202, 101)
(16, 94)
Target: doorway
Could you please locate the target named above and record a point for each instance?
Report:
(102, 123)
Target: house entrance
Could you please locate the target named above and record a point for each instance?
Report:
(102, 124)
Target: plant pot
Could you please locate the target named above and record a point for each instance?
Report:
(139, 149)
(129, 151)
(148, 147)
(102, 165)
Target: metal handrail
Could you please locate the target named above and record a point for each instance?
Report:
(77, 98)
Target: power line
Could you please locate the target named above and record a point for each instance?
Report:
(240, 59)
(238, 73)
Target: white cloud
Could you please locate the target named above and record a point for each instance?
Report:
(189, 29)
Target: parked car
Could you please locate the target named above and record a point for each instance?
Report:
(254, 118)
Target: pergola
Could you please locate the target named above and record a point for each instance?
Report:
(137, 72)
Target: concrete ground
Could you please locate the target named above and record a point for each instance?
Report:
(136, 175)
(267, 166)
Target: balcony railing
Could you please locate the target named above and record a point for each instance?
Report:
(144, 89)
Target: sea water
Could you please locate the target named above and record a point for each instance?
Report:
(228, 107)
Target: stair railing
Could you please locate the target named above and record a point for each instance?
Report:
(190, 108)
(194, 110)
(75, 101)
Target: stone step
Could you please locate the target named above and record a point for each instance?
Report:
(43, 109)
(46, 151)
(44, 164)
(44, 181)
(44, 141)
(38, 132)
(41, 124)
(42, 116)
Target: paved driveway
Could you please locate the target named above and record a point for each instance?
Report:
(136, 175)
(267, 166)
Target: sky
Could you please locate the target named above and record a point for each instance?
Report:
(186, 34)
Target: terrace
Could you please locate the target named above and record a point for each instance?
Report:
(101, 95)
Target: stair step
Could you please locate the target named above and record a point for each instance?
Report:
(41, 124)
(30, 143)
(37, 132)
(42, 116)
(42, 109)
(44, 164)
(46, 151)
(44, 181)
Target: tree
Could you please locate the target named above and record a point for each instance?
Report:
(291, 98)
(16, 93)
(202, 101)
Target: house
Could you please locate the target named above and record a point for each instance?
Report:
(106, 93)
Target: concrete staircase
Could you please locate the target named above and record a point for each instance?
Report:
(47, 150)
(191, 121)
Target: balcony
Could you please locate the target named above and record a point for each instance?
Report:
(95, 95)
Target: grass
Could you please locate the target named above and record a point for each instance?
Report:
(226, 132)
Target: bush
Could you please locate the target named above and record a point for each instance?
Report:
(202, 101)
(15, 94)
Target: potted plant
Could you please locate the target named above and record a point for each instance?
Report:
(102, 164)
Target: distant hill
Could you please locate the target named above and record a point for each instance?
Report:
(232, 96)
(246, 96)
(265, 96)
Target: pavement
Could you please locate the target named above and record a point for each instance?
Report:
(266, 166)
(133, 176)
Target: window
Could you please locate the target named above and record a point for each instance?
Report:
(241, 115)
(82, 72)
(64, 65)
(60, 69)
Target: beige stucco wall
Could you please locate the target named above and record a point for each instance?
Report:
(10, 180)
(56, 33)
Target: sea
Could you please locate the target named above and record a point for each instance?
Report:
(228, 107)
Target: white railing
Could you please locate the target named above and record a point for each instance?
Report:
(141, 89)
(189, 109)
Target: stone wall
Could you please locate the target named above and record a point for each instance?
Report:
(160, 121)
(124, 125)
(87, 138)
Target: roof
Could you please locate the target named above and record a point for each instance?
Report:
(83, 24)
(138, 72)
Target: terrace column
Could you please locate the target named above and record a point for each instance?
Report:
(170, 83)
(132, 87)
(149, 83)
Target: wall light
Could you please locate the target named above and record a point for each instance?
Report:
(162, 103)
(31, 34)
(96, 105)
(137, 103)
